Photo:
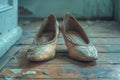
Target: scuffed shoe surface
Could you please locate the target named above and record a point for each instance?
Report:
(43, 47)
(41, 53)
(77, 42)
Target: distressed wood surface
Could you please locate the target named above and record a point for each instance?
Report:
(105, 37)
(93, 28)
(66, 71)
(12, 52)
(100, 48)
(63, 58)
(96, 41)
(64, 67)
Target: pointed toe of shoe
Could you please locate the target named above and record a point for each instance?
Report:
(84, 53)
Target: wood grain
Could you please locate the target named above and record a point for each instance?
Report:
(104, 34)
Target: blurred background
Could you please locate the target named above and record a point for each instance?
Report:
(82, 9)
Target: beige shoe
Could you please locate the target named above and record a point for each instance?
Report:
(44, 44)
(77, 42)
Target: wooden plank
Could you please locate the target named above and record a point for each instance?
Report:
(100, 48)
(63, 58)
(2, 78)
(110, 34)
(28, 34)
(96, 34)
(92, 28)
(32, 26)
(105, 79)
(65, 71)
(25, 41)
(12, 51)
(63, 79)
(96, 41)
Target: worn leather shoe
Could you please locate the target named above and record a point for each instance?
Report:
(77, 42)
(44, 44)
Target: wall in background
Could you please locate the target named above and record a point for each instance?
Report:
(117, 10)
(79, 8)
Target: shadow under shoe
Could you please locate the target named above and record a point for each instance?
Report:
(77, 42)
(43, 47)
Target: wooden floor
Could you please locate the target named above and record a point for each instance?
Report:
(104, 34)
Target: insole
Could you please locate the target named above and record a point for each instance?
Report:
(45, 37)
(74, 37)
